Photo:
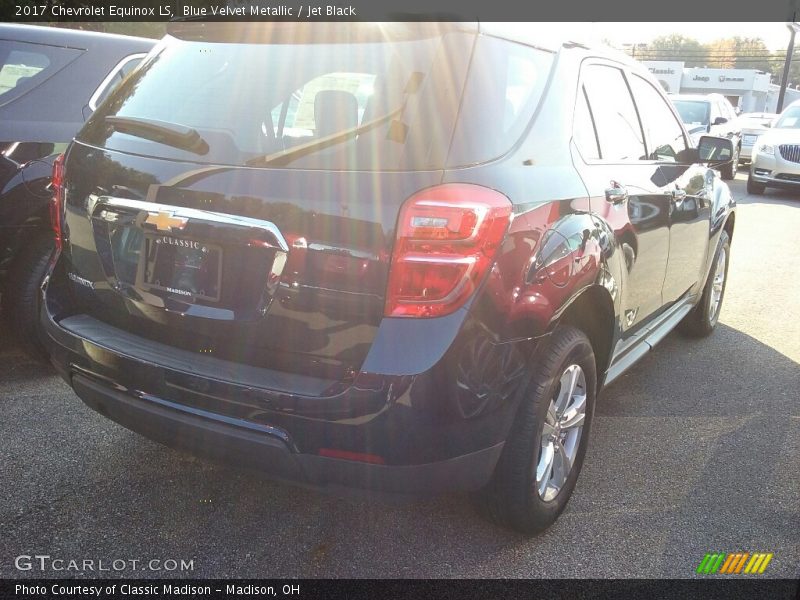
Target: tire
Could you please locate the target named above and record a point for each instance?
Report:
(703, 318)
(729, 170)
(753, 187)
(21, 299)
(513, 497)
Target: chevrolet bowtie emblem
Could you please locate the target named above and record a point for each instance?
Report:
(166, 220)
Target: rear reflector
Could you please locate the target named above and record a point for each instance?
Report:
(57, 201)
(447, 237)
(373, 459)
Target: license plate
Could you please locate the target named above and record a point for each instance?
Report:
(749, 140)
(188, 268)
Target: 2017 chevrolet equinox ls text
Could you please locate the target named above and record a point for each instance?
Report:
(401, 258)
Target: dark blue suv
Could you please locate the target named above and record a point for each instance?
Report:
(402, 257)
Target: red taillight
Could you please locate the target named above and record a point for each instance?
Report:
(372, 459)
(447, 237)
(57, 201)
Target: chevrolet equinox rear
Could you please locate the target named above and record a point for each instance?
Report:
(379, 256)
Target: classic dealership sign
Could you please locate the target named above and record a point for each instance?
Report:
(668, 73)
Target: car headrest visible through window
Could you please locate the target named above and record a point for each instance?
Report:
(334, 110)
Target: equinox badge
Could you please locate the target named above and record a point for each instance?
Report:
(166, 220)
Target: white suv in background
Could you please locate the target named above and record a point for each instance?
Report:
(776, 155)
(711, 114)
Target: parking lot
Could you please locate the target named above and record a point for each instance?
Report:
(695, 450)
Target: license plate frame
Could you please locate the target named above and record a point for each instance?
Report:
(194, 255)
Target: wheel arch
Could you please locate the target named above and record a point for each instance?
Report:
(592, 311)
(729, 224)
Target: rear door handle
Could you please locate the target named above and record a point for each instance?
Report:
(617, 194)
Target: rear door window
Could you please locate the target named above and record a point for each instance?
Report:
(664, 134)
(618, 128)
(505, 84)
(584, 132)
(23, 66)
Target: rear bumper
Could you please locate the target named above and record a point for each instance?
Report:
(430, 439)
(270, 453)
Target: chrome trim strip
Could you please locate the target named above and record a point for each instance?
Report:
(102, 87)
(195, 214)
(336, 250)
(271, 430)
(650, 337)
(655, 335)
(775, 180)
(790, 152)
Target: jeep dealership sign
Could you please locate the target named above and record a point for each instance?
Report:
(745, 88)
(738, 80)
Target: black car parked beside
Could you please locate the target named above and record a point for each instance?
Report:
(51, 81)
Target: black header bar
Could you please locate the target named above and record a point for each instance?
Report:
(398, 10)
(496, 589)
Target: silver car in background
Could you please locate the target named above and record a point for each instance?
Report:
(775, 159)
(753, 125)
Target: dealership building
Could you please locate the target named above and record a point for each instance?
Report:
(748, 89)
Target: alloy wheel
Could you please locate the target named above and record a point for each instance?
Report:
(561, 433)
(718, 285)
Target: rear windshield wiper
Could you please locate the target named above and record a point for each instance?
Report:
(284, 157)
(171, 134)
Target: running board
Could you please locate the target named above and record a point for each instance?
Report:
(648, 342)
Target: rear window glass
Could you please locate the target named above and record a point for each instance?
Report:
(24, 66)
(376, 105)
(300, 118)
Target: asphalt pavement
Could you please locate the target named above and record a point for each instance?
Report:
(695, 450)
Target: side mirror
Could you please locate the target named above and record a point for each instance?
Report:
(713, 150)
(720, 120)
(687, 156)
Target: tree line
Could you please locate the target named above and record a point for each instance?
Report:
(729, 53)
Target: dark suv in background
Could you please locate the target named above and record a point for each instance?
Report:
(712, 114)
(402, 258)
(51, 81)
